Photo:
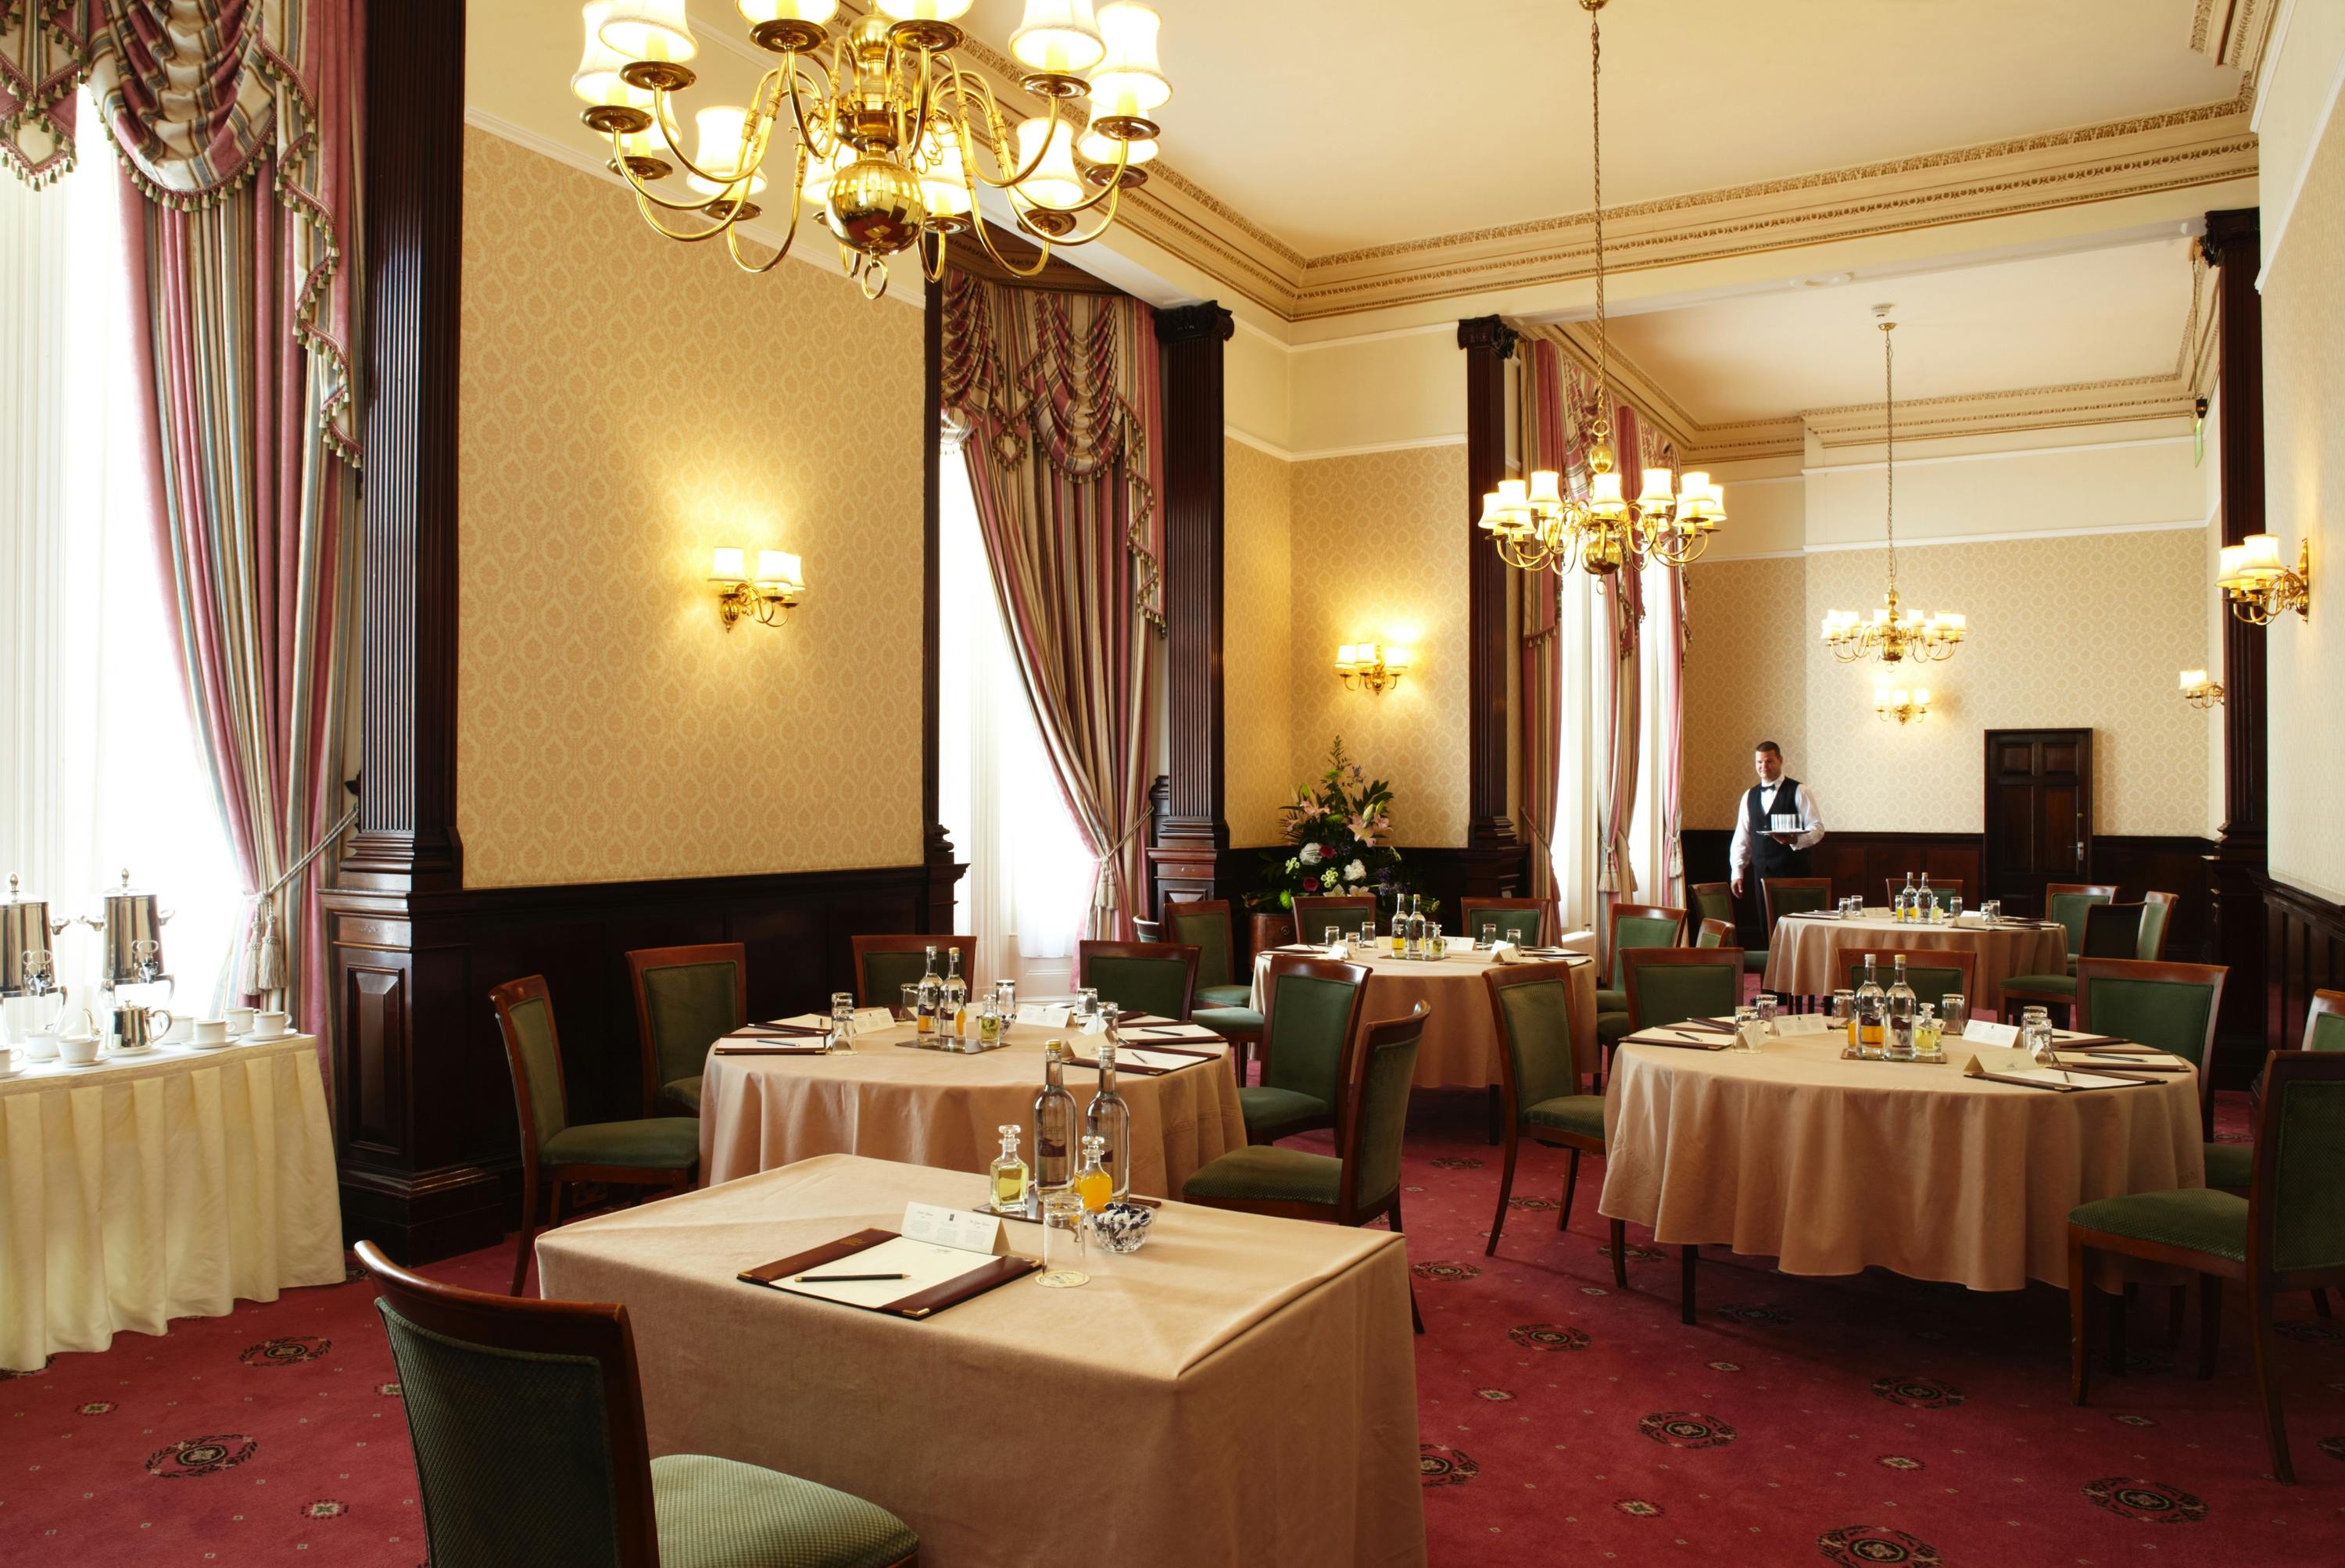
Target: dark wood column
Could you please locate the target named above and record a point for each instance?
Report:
(1194, 827)
(2233, 248)
(936, 845)
(1494, 854)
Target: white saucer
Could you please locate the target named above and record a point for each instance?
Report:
(215, 1045)
(132, 1051)
(268, 1039)
(77, 1066)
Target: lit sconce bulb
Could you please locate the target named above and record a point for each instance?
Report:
(817, 12)
(2259, 556)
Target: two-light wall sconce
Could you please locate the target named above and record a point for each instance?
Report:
(2200, 692)
(1373, 665)
(779, 585)
(2259, 587)
(1904, 707)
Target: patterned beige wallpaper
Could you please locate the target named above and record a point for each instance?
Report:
(1745, 678)
(2304, 452)
(1257, 651)
(1377, 557)
(627, 404)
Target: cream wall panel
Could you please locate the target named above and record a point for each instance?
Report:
(1745, 678)
(2015, 493)
(1256, 391)
(1372, 391)
(1257, 648)
(2304, 482)
(2299, 80)
(1379, 555)
(609, 727)
(1766, 513)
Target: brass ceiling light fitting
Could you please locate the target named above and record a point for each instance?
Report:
(1892, 634)
(885, 142)
(1532, 523)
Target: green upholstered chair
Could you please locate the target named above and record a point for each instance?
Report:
(1311, 1011)
(2111, 931)
(1930, 972)
(1941, 893)
(687, 998)
(884, 965)
(2172, 1006)
(1541, 1094)
(527, 1419)
(1519, 920)
(1362, 1179)
(2228, 1165)
(1715, 900)
(2287, 1234)
(1669, 985)
(1633, 926)
(1314, 915)
(1780, 896)
(2324, 1022)
(2067, 901)
(1716, 934)
(656, 1151)
(1158, 977)
(1224, 1001)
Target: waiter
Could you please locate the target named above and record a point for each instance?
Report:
(1777, 826)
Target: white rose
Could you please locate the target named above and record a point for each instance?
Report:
(1356, 872)
(1310, 853)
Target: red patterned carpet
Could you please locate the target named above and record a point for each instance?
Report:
(1860, 1421)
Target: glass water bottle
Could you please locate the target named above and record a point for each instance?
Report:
(1871, 1007)
(1416, 925)
(955, 1010)
(1926, 903)
(931, 996)
(1399, 928)
(1109, 1120)
(1009, 1172)
(1898, 1044)
(1054, 1122)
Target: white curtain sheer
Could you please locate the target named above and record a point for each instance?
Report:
(100, 771)
(1030, 877)
(1579, 855)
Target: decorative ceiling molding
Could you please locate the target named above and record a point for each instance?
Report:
(2234, 32)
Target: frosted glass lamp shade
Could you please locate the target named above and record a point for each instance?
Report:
(2259, 556)
(1055, 181)
(924, 10)
(726, 565)
(649, 30)
(1059, 37)
(818, 11)
(723, 149)
(1128, 80)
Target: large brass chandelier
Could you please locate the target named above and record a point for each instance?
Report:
(1534, 525)
(1894, 634)
(888, 139)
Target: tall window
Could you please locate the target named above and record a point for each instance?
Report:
(1023, 897)
(100, 771)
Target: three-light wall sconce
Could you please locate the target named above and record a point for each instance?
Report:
(768, 596)
(2259, 587)
(1904, 707)
(2200, 692)
(1374, 666)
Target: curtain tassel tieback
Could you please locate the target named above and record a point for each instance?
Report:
(262, 968)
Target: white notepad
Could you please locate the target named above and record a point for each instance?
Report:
(1164, 1061)
(2070, 1078)
(926, 1264)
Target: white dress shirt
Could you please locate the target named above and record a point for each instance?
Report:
(1811, 824)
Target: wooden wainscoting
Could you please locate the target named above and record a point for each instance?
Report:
(2304, 944)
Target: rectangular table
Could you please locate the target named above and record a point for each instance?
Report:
(1246, 1386)
(168, 1184)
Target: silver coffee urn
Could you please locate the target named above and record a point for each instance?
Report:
(28, 964)
(130, 948)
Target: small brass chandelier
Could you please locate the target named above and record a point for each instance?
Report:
(886, 141)
(1892, 634)
(1534, 525)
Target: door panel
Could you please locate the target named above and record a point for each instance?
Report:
(2038, 829)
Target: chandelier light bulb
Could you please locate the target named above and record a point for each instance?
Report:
(723, 146)
(648, 30)
(1055, 181)
(924, 10)
(1057, 37)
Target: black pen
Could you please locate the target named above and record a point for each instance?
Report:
(843, 1279)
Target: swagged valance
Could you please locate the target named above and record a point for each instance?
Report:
(198, 97)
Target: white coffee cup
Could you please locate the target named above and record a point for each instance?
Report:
(41, 1045)
(183, 1027)
(79, 1049)
(240, 1021)
(211, 1032)
(269, 1026)
(10, 1061)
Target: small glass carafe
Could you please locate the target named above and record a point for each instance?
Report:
(1008, 1173)
(1093, 1182)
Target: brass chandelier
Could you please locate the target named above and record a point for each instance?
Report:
(886, 140)
(1534, 525)
(1892, 634)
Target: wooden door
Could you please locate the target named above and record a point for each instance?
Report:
(2039, 814)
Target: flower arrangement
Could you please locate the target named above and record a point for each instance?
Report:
(1339, 841)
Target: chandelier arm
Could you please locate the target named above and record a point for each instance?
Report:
(981, 91)
(819, 91)
(985, 238)
(789, 231)
(660, 97)
(645, 193)
(943, 237)
(645, 208)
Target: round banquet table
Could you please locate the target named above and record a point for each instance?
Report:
(888, 1100)
(1804, 954)
(1460, 1049)
(1831, 1165)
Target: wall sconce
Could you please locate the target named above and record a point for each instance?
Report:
(2259, 587)
(1374, 666)
(1904, 707)
(2199, 691)
(779, 585)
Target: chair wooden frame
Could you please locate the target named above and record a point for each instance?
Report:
(595, 1330)
(1355, 975)
(1088, 950)
(1729, 958)
(2017, 997)
(2091, 969)
(1638, 911)
(1950, 886)
(648, 958)
(1767, 886)
(1722, 929)
(1243, 1043)
(2256, 1271)
(2325, 1004)
(1495, 982)
(2166, 901)
(1885, 958)
(1716, 889)
(1312, 911)
(1468, 919)
(907, 942)
(505, 998)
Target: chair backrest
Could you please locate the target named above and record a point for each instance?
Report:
(1930, 972)
(1530, 1003)
(1714, 901)
(2324, 1022)
(1714, 933)
(2295, 1199)
(1941, 893)
(2172, 1006)
(1310, 1011)
(2067, 901)
(1159, 977)
(1377, 1077)
(685, 998)
(1643, 925)
(2112, 930)
(1314, 915)
(533, 1055)
(1671, 984)
(527, 1422)
(1206, 925)
(2156, 916)
(1519, 920)
(884, 965)
(1793, 895)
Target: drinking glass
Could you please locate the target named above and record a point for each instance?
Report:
(1005, 992)
(1955, 909)
(1087, 1003)
(1766, 1005)
(1490, 936)
(1066, 1229)
(1842, 1012)
(1954, 1010)
(1335, 936)
(842, 1019)
(911, 1006)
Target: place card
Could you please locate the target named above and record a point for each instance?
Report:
(1979, 1031)
(871, 1020)
(962, 1228)
(1791, 1024)
(1049, 1014)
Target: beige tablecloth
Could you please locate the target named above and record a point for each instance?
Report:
(1832, 1165)
(1804, 954)
(1246, 1385)
(1461, 1043)
(891, 1102)
(166, 1184)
